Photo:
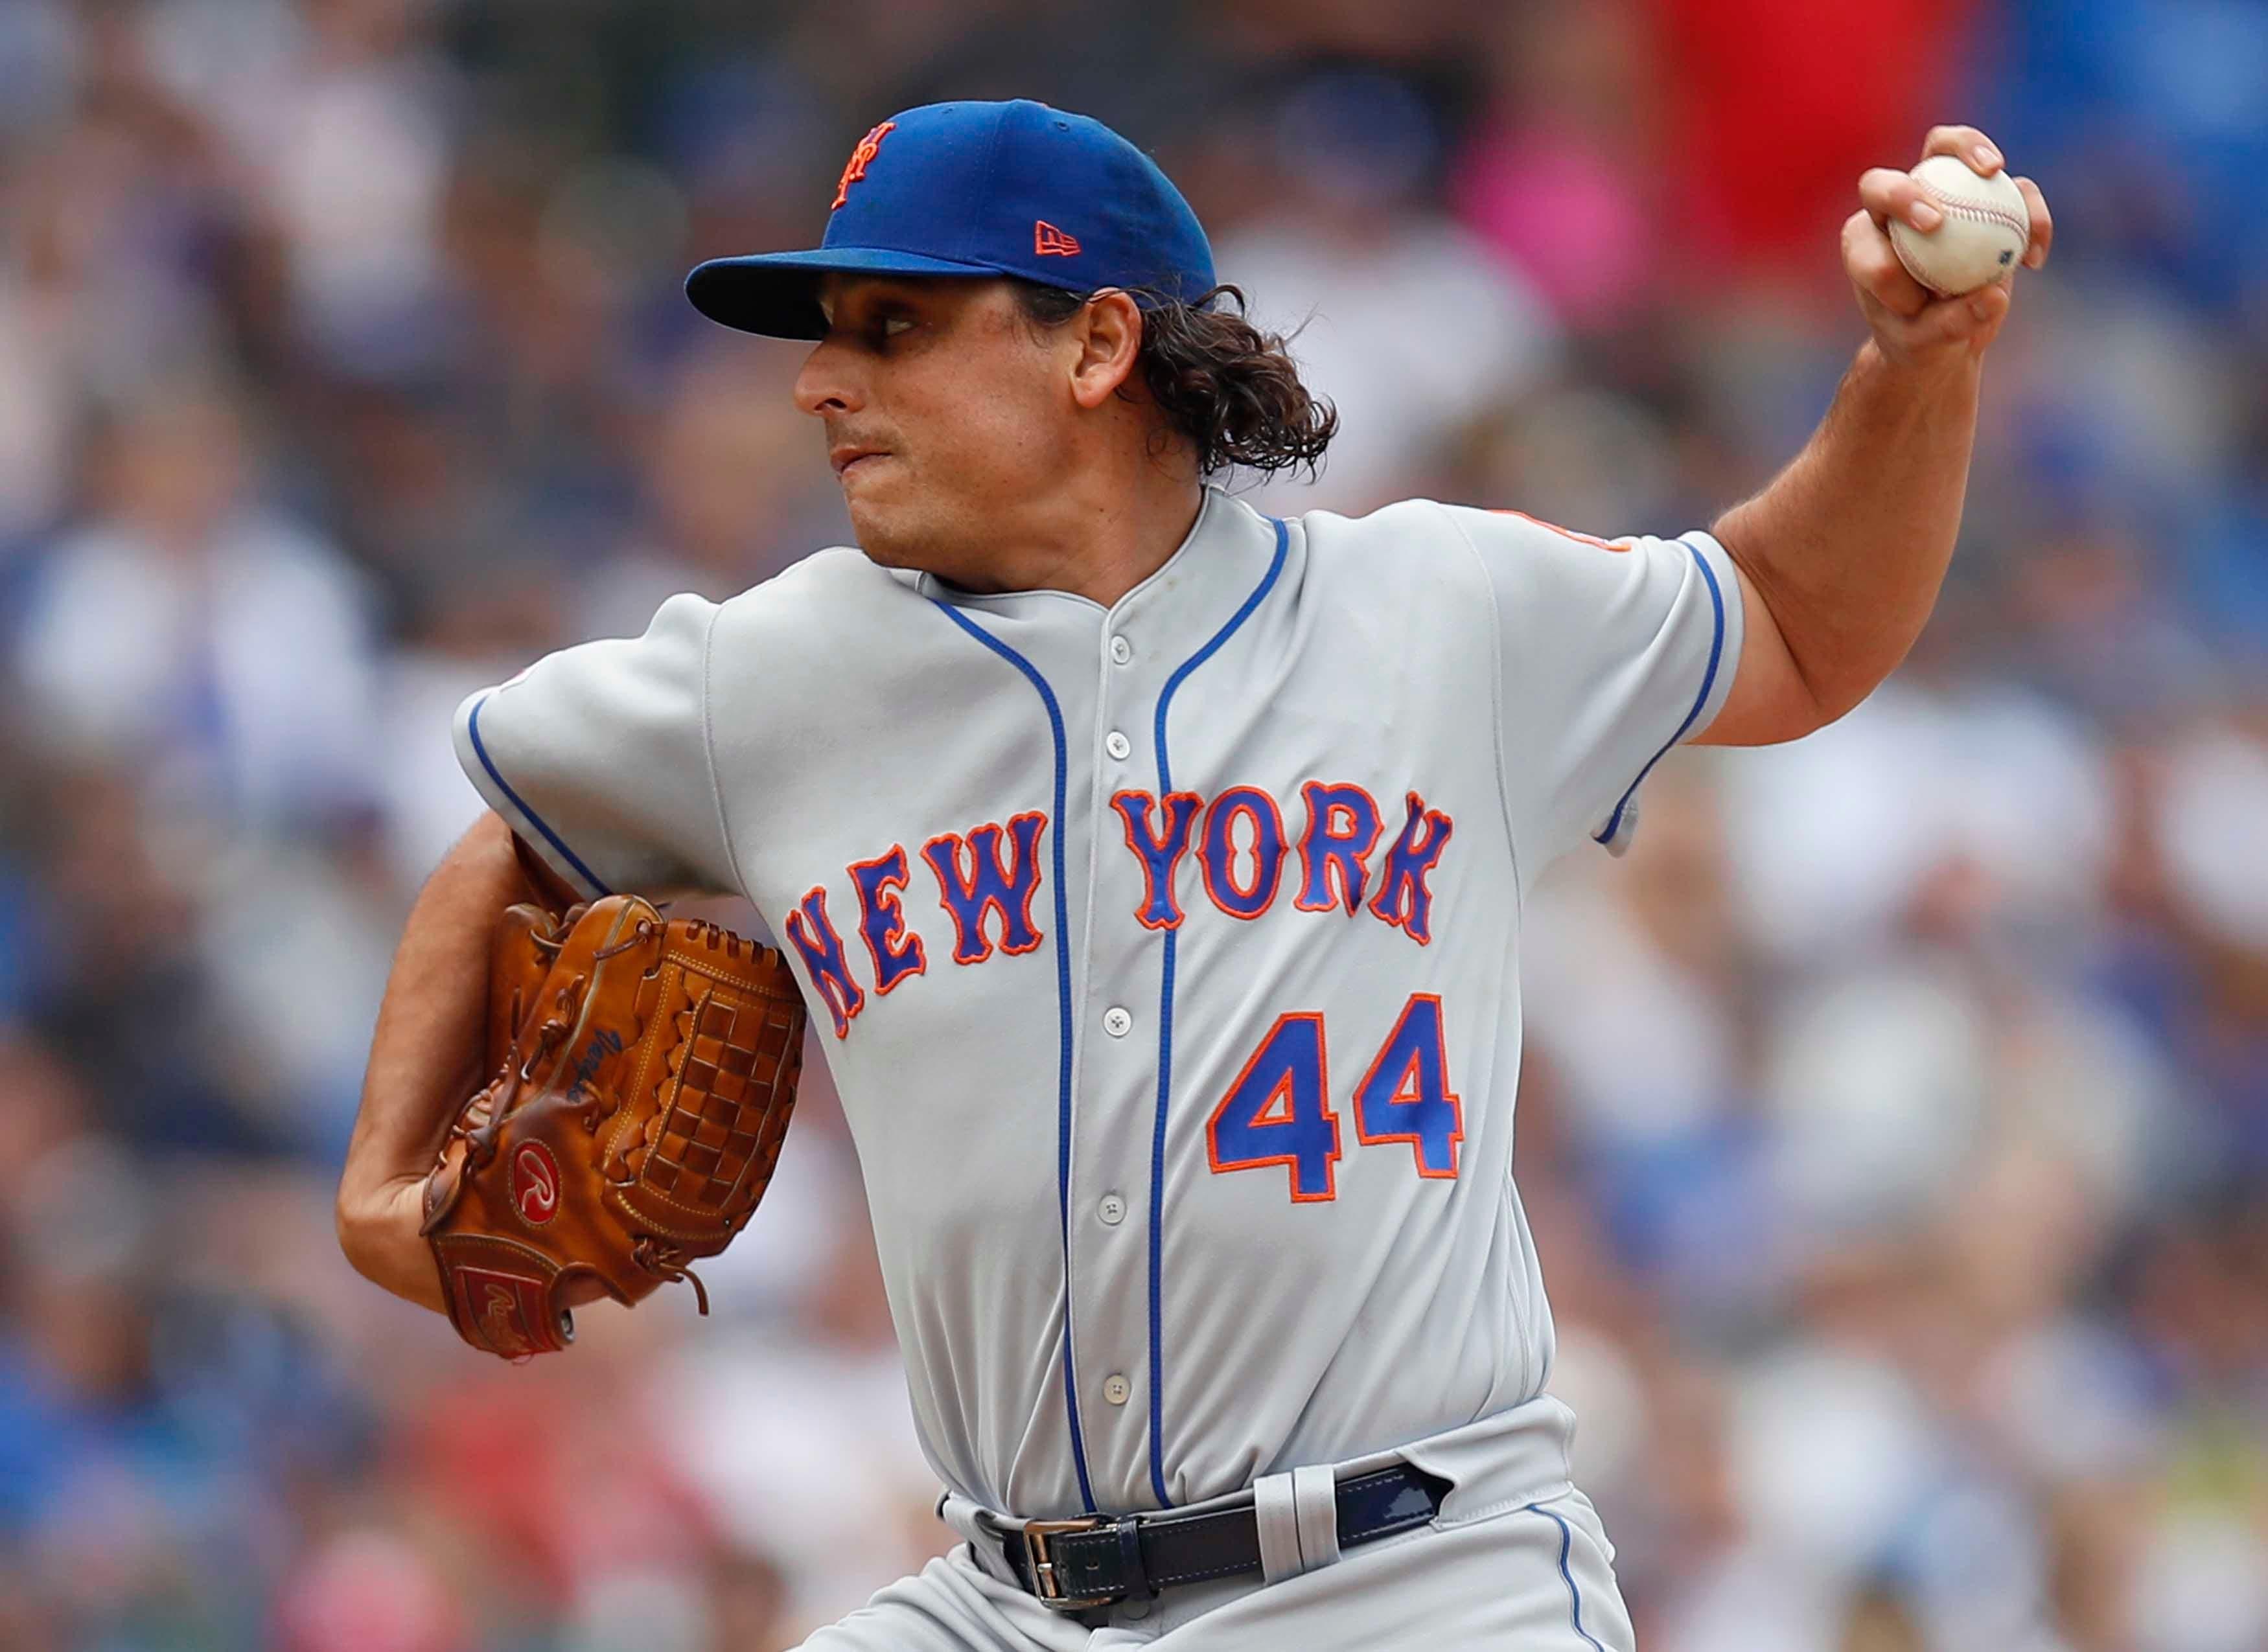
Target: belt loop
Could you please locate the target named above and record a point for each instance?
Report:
(1136, 1574)
(1316, 1509)
(1275, 1513)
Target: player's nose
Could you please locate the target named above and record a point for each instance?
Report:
(826, 385)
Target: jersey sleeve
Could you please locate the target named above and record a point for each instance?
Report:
(598, 756)
(1612, 651)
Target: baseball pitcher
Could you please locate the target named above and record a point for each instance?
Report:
(1150, 872)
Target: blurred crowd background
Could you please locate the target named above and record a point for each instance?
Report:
(1895, 1123)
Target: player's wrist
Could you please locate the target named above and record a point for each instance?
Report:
(1934, 372)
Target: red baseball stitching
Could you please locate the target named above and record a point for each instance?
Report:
(1976, 211)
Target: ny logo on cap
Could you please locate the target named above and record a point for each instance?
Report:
(860, 157)
(1049, 241)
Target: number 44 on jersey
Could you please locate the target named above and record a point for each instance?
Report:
(1277, 1110)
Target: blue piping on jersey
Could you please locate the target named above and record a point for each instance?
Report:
(1063, 1008)
(1606, 834)
(1574, 1595)
(481, 750)
(1165, 1040)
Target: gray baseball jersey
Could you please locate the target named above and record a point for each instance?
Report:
(1166, 956)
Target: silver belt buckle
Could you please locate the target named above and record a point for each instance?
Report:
(1037, 1535)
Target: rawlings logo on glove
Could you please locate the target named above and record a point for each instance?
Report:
(535, 1184)
(645, 1071)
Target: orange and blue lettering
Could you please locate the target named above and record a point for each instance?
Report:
(1219, 852)
(1343, 828)
(1405, 1096)
(897, 953)
(861, 157)
(814, 936)
(1159, 851)
(1402, 898)
(989, 887)
(1277, 1110)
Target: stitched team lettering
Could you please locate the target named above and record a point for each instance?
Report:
(1348, 856)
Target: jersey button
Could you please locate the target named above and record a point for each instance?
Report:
(1116, 1022)
(1118, 745)
(1116, 1389)
(1121, 649)
(1112, 1210)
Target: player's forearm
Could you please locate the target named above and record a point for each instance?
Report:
(1849, 545)
(425, 1058)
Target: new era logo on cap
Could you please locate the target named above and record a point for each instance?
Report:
(977, 189)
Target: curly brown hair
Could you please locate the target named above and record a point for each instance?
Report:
(1230, 388)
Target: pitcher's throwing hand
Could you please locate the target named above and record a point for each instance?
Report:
(1913, 321)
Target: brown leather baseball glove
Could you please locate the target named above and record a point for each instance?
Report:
(645, 1069)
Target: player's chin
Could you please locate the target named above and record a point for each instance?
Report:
(885, 528)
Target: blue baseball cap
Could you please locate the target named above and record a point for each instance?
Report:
(977, 189)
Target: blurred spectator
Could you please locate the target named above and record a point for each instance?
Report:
(186, 631)
(1401, 317)
(728, 467)
(826, 1474)
(1562, 174)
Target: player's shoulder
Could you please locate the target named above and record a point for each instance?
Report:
(832, 572)
(1410, 522)
(835, 611)
(810, 604)
(1444, 557)
(1405, 533)
(1511, 548)
(837, 587)
(1433, 527)
(1426, 545)
(1401, 572)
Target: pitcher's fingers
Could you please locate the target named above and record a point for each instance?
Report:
(1887, 193)
(1874, 268)
(1988, 306)
(1946, 320)
(1982, 154)
(2036, 253)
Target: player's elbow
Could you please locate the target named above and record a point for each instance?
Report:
(1803, 709)
(1796, 674)
(1828, 700)
(1838, 674)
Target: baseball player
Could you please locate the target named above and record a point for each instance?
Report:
(1151, 870)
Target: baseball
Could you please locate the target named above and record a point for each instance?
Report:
(1985, 229)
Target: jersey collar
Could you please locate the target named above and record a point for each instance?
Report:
(1226, 553)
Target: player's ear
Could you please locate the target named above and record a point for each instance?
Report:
(1110, 341)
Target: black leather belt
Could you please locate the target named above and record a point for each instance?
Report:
(1078, 1565)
